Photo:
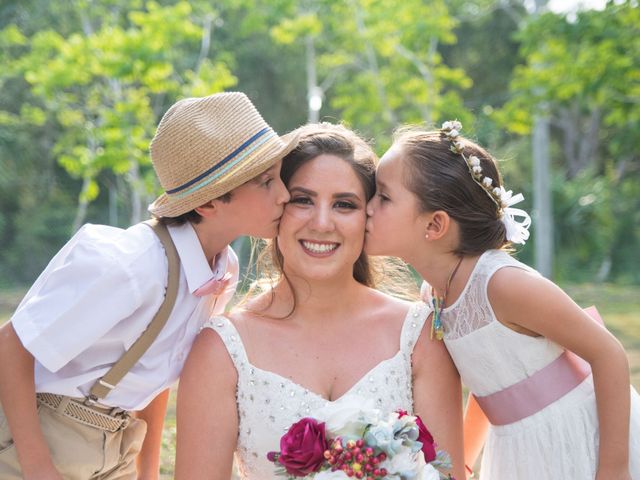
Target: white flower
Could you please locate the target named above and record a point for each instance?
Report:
(477, 170)
(447, 125)
(402, 463)
(474, 161)
(497, 192)
(453, 133)
(487, 182)
(329, 475)
(348, 416)
(428, 473)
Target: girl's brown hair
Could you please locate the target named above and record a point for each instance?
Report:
(441, 180)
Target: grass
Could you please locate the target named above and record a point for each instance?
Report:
(618, 305)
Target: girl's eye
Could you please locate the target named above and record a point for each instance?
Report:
(267, 182)
(301, 200)
(383, 198)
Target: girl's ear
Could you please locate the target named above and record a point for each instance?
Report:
(438, 223)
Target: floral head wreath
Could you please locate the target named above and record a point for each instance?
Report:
(516, 231)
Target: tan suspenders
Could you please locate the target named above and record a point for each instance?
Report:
(104, 385)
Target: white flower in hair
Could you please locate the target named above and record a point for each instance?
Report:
(516, 231)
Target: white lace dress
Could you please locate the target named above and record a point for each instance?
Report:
(559, 441)
(268, 403)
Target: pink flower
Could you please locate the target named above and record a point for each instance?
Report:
(302, 447)
(428, 445)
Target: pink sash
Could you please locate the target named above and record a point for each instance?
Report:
(541, 389)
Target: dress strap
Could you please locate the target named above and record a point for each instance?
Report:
(412, 327)
(231, 339)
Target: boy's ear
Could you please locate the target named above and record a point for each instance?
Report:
(437, 226)
(208, 210)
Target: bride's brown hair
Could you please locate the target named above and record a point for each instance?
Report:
(326, 138)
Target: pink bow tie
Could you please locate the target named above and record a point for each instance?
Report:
(213, 286)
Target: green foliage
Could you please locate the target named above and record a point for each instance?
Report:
(103, 85)
(84, 83)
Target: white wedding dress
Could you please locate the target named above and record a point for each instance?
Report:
(559, 441)
(268, 403)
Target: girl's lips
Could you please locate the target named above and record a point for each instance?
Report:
(319, 249)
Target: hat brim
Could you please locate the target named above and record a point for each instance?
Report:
(173, 206)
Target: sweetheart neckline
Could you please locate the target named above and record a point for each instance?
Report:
(343, 395)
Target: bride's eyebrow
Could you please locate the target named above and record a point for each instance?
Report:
(347, 195)
(306, 191)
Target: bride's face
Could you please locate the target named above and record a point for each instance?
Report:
(322, 229)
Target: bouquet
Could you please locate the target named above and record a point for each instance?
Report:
(353, 439)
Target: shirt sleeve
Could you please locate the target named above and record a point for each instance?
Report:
(83, 293)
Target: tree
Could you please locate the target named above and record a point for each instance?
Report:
(586, 73)
(107, 85)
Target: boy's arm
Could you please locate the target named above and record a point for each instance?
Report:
(148, 462)
(18, 398)
(476, 426)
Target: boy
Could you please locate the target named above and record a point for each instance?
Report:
(219, 165)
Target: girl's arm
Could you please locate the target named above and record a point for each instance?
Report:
(437, 397)
(207, 416)
(18, 398)
(524, 300)
(476, 426)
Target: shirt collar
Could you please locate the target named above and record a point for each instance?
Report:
(194, 262)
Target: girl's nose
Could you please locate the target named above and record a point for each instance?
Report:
(370, 209)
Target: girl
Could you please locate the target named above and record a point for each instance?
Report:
(321, 334)
(505, 326)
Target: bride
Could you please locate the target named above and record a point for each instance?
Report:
(321, 334)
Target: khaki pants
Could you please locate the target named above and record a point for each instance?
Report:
(79, 452)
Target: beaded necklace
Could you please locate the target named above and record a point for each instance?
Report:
(439, 305)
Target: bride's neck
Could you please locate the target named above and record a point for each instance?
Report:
(319, 300)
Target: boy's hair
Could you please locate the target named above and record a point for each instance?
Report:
(191, 216)
(440, 179)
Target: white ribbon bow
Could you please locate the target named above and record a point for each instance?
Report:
(517, 231)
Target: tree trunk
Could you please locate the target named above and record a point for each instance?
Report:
(83, 203)
(372, 63)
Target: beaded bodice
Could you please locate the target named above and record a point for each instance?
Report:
(268, 403)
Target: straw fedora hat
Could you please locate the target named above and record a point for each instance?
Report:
(206, 147)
